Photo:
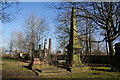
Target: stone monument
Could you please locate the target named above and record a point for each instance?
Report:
(73, 47)
(45, 52)
(50, 46)
(40, 52)
(34, 55)
(117, 49)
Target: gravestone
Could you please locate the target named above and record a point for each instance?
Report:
(31, 49)
(73, 47)
(116, 59)
(45, 51)
(40, 52)
(34, 56)
(117, 49)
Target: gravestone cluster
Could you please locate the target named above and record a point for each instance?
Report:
(39, 56)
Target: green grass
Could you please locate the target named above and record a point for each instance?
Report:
(95, 74)
(13, 68)
(105, 68)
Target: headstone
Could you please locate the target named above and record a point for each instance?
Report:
(117, 49)
(34, 56)
(31, 49)
(40, 52)
(45, 52)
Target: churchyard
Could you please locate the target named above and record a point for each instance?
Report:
(78, 53)
(12, 68)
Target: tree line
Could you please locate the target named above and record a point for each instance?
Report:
(35, 30)
(97, 22)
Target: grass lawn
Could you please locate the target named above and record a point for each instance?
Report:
(15, 69)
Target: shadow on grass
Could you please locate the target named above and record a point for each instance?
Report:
(67, 68)
(9, 58)
(28, 67)
(108, 70)
(36, 71)
(24, 61)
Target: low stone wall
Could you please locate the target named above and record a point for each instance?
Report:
(96, 59)
(116, 63)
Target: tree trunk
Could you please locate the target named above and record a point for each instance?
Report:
(106, 46)
(10, 51)
(87, 50)
(111, 49)
(111, 52)
(110, 45)
(90, 44)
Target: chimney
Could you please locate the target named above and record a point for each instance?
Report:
(45, 43)
(50, 46)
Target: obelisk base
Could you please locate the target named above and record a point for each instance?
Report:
(76, 60)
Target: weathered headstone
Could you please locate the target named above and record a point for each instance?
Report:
(40, 52)
(45, 52)
(116, 59)
(34, 56)
(31, 49)
(73, 46)
(117, 49)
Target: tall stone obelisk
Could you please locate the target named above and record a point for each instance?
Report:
(73, 46)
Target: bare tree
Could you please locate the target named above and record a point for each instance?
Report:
(106, 16)
(85, 27)
(16, 43)
(11, 43)
(63, 21)
(19, 39)
(5, 14)
(35, 29)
